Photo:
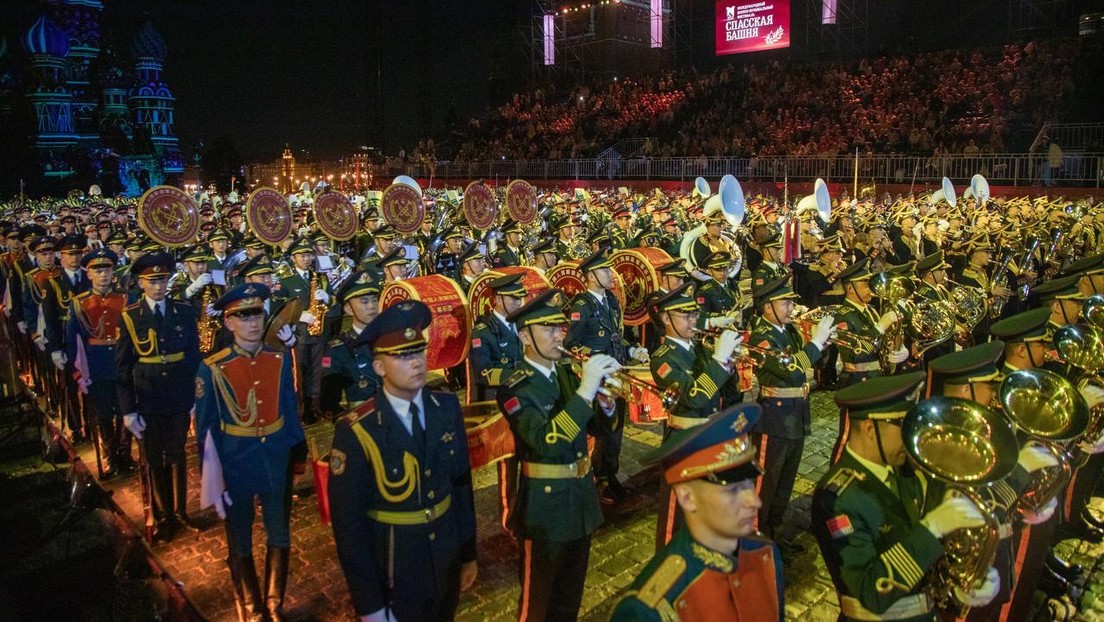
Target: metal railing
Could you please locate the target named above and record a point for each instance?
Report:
(1006, 169)
(1076, 135)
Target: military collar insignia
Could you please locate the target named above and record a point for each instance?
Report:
(713, 559)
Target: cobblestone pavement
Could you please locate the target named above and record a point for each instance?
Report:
(620, 548)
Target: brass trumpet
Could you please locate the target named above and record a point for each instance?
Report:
(622, 384)
(746, 352)
(858, 343)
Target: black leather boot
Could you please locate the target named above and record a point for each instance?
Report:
(247, 589)
(276, 569)
(180, 497)
(161, 489)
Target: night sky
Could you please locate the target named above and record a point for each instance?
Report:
(270, 72)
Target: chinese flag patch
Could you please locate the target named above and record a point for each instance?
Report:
(477, 343)
(840, 526)
(663, 370)
(576, 316)
(701, 300)
(758, 281)
(325, 361)
(841, 325)
(512, 405)
(764, 344)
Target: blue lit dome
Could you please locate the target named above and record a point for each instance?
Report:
(44, 37)
(148, 43)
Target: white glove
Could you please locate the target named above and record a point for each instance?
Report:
(212, 311)
(221, 503)
(725, 345)
(594, 371)
(22, 326)
(59, 359)
(40, 342)
(1043, 516)
(1033, 457)
(899, 356)
(888, 319)
(721, 321)
(1093, 394)
(1092, 446)
(322, 296)
(197, 285)
(951, 515)
(640, 354)
(307, 317)
(982, 595)
(823, 331)
(135, 424)
(286, 335)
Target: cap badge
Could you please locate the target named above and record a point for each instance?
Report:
(409, 333)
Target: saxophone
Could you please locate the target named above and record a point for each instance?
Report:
(208, 324)
(317, 307)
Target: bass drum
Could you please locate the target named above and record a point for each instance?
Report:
(488, 432)
(481, 300)
(637, 269)
(567, 276)
(449, 333)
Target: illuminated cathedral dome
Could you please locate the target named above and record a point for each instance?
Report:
(44, 37)
(148, 43)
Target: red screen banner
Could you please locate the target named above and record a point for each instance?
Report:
(744, 26)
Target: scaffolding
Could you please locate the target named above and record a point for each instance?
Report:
(849, 34)
(1040, 19)
(603, 38)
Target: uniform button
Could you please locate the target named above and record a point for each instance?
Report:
(735, 582)
(432, 537)
(256, 382)
(547, 489)
(578, 454)
(164, 374)
(682, 604)
(259, 402)
(252, 362)
(428, 472)
(430, 494)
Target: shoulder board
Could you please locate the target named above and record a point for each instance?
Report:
(335, 343)
(580, 300)
(751, 543)
(360, 412)
(662, 580)
(841, 479)
(133, 306)
(518, 377)
(663, 349)
(85, 294)
(218, 356)
(969, 272)
(32, 271)
(481, 324)
(710, 284)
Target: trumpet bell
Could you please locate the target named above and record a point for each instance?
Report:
(960, 441)
(1093, 310)
(891, 287)
(1081, 346)
(1044, 405)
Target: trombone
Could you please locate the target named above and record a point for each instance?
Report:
(622, 384)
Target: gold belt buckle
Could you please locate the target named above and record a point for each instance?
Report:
(580, 468)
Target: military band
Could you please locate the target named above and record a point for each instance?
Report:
(111, 329)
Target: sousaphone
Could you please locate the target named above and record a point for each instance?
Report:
(269, 216)
(169, 216)
(336, 216)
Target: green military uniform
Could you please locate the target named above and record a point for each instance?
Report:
(308, 347)
(866, 518)
(557, 507)
(687, 580)
(704, 387)
(716, 298)
(933, 293)
(495, 348)
(347, 361)
(504, 255)
(784, 396)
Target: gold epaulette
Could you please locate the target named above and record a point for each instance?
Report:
(662, 580)
(85, 294)
(662, 350)
(366, 408)
(841, 480)
(218, 356)
(518, 377)
(133, 306)
(334, 343)
(970, 273)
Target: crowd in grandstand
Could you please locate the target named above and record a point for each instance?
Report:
(940, 102)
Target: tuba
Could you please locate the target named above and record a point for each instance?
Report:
(1093, 310)
(1083, 347)
(1051, 412)
(891, 289)
(968, 447)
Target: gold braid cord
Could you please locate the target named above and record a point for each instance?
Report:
(151, 338)
(404, 487)
(242, 416)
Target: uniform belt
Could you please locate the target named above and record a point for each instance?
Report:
(904, 608)
(253, 430)
(175, 357)
(539, 470)
(102, 342)
(413, 517)
(683, 423)
(867, 366)
(785, 392)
